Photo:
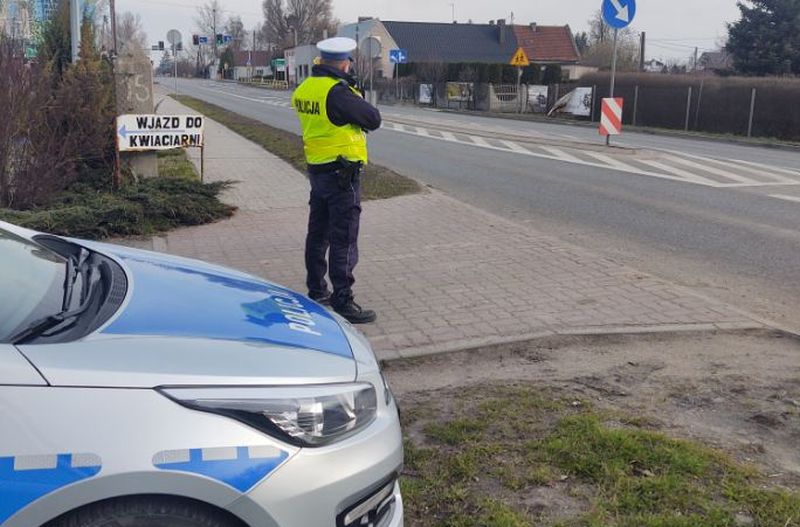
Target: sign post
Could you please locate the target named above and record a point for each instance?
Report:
(397, 57)
(520, 60)
(150, 132)
(618, 14)
(174, 37)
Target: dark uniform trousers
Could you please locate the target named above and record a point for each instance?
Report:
(333, 224)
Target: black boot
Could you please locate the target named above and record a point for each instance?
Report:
(321, 298)
(354, 314)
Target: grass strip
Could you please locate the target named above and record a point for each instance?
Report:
(175, 198)
(378, 182)
(527, 457)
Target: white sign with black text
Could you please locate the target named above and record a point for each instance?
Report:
(142, 133)
(581, 102)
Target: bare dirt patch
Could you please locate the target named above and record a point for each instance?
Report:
(734, 395)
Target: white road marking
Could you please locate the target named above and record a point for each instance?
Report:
(515, 147)
(766, 171)
(616, 163)
(688, 176)
(784, 197)
(577, 161)
(778, 169)
(480, 141)
(711, 170)
(605, 161)
(559, 154)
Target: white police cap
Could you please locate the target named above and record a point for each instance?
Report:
(337, 48)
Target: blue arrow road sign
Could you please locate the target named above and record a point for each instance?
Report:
(202, 40)
(227, 39)
(398, 56)
(619, 13)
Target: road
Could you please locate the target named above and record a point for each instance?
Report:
(717, 217)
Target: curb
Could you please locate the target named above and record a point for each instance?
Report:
(475, 344)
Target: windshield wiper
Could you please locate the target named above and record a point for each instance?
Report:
(90, 283)
(69, 283)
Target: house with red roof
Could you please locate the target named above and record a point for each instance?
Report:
(447, 43)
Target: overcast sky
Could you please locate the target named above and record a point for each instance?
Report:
(673, 28)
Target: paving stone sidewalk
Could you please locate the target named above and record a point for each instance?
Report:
(442, 275)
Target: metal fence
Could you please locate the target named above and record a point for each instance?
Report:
(736, 106)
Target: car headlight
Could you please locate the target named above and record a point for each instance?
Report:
(308, 416)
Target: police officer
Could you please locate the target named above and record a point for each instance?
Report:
(334, 118)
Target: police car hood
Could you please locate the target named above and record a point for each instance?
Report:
(189, 322)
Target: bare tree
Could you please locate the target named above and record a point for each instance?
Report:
(235, 28)
(131, 37)
(311, 18)
(209, 17)
(276, 27)
(600, 44)
(207, 23)
(303, 21)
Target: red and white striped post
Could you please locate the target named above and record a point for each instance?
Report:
(611, 117)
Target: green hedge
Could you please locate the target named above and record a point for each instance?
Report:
(149, 206)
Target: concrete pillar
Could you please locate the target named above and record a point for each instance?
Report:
(134, 83)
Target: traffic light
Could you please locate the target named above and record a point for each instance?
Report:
(160, 45)
(219, 39)
(195, 40)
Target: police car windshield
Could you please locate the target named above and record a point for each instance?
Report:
(31, 283)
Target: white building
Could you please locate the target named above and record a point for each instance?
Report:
(370, 31)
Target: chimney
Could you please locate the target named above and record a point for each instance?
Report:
(364, 19)
(533, 27)
(491, 22)
(501, 26)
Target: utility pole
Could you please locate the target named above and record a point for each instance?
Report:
(695, 59)
(113, 10)
(75, 19)
(613, 74)
(214, 29)
(453, 9)
(643, 47)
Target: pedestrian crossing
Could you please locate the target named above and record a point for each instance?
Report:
(664, 164)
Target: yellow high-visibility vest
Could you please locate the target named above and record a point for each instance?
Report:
(324, 141)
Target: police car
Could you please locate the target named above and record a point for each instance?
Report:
(139, 389)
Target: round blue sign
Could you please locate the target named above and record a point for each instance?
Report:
(619, 13)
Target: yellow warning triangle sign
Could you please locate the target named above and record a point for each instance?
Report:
(520, 58)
